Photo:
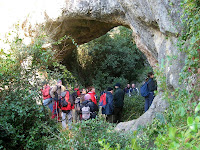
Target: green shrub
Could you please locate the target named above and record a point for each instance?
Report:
(133, 107)
(86, 134)
(178, 128)
(110, 58)
(23, 123)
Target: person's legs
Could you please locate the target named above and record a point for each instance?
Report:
(74, 115)
(146, 106)
(50, 105)
(77, 116)
(116, 114)
(69, 119)
(151, 97)
(120, 114)
(64, 125)
(109, 118)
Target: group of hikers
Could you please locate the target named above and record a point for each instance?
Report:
(82, 104)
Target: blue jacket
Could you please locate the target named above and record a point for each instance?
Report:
(152, 85)
(108, 110)
(127, 90)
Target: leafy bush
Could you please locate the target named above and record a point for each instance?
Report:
(23, 123)
(133, 107)
(86, 134)
(110, 58)
(179, 127)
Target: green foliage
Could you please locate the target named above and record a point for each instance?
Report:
(133, 107)
(182, 117)
(25, 126)
(111, 58)
(179, 126)
(23, 123)
(86, 134)
(183, 129)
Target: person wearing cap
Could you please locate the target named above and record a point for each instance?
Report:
(108, 109)
(55, 94)
(118, 99)
(93, 107)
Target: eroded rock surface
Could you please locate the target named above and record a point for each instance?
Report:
(155, 25)
(157, 107)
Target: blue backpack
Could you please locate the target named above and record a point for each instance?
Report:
(144, 89)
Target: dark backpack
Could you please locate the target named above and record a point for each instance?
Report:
(144, 89)
(64, 98)
(74, 96)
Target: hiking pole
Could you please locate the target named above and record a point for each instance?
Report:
(57, 111)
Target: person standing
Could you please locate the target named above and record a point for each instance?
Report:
(67, 110)
(118, 99)
(88, 108)
(134, 90)
(55, 94)
(92, 94)
(127, 90)
(82, 99)
(83, 92)
(47, 100)
(77, 91)
(108, 108)
(151, 87)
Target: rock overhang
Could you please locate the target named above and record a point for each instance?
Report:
(155, 26)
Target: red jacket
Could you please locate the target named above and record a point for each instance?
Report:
(45, 92)
(93, 97)
(78, 91)
(67, 98)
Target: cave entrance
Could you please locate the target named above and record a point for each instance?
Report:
(101, 59)
(109, 59)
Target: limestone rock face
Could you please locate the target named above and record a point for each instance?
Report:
(157, 107)
(155, 29)
(155, 25)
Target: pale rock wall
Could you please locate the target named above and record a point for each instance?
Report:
(155, 25)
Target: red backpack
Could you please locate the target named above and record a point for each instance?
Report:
(66, 101)
(46, 92)
(102, 101)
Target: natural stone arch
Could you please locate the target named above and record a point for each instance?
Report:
(155, 26)
(154, 31)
